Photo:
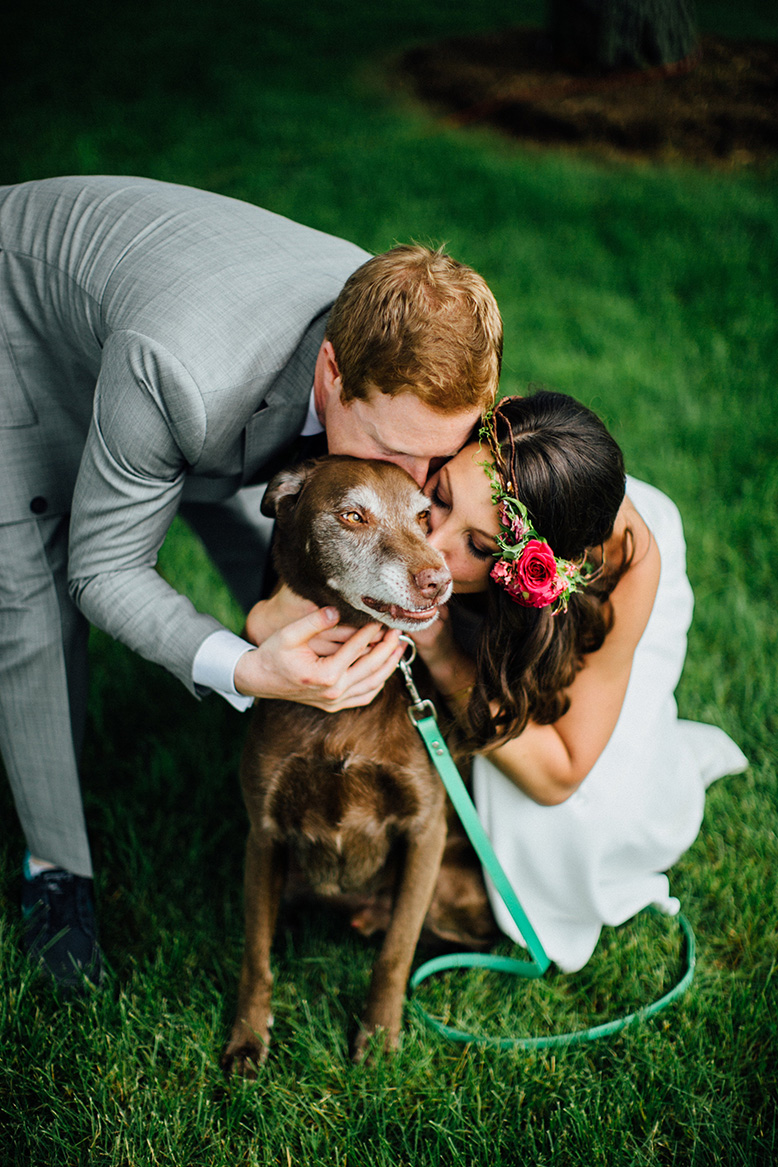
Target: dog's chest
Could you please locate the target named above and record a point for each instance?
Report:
(317, 775)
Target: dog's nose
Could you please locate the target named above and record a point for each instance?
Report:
(431, 581)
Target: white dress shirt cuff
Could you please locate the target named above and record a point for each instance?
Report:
(214, 667)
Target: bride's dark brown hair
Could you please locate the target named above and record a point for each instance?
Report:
(569, 473)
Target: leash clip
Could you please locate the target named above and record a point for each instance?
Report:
(418, 708)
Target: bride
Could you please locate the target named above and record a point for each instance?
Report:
(558, 657)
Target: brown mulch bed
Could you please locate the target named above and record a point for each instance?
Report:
(722, 111)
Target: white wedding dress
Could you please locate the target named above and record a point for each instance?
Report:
(599, 857)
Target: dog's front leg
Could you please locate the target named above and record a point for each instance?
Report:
(250, 1039)
(392, 968)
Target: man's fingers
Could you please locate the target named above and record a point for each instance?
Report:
(291, 668)
(364, 679)
(373, 638)
(301, 631)
(363, 655)
(328, 642)
(362, 692)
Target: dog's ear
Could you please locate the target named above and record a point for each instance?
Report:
(286, 484)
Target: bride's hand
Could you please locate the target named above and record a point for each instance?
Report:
(435, 642)
(451, 671)
(269, 616)
(449, 667)
(285, 607)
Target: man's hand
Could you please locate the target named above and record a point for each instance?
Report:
(286, 666)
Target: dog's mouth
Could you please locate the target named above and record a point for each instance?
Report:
(395, 612)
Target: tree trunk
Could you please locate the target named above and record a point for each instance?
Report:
(610, 35)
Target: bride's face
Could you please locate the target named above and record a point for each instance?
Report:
(463, 519)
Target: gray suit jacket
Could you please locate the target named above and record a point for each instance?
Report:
(156, 342)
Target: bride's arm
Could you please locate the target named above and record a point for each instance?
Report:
(549, 762)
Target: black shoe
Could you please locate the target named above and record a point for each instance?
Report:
(60, 929)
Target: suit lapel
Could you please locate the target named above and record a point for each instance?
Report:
(272, 435)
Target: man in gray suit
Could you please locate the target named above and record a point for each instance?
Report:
(164, 349)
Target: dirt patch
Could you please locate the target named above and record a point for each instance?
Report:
(718, 110)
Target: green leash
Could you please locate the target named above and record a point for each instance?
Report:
(423, 716)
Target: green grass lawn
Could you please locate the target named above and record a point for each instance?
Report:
(650, 293)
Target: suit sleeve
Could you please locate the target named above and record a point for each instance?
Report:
(148, 426)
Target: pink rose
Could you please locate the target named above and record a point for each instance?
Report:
(533, 579)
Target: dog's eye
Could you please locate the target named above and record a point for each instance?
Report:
(353, 518)
(424, 519)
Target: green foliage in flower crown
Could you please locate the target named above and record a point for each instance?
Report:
(526, 565)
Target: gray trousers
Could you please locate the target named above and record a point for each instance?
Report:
(44, 665)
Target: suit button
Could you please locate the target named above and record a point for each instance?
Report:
(39, 506)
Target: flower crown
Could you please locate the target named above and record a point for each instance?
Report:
(526, 566)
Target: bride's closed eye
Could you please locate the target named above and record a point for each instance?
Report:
(436, 498)
(477, 552)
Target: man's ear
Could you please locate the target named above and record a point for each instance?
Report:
(327, 377)
(286, 484)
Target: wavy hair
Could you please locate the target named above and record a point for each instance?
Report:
(569, 473)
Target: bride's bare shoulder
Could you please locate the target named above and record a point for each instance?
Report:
(634, 595)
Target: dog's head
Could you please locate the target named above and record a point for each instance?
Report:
(352, 533)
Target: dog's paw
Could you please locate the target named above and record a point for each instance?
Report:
(370, 1044)
(246, 1053)
(245, 1061)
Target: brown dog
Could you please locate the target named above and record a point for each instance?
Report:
(340, 794)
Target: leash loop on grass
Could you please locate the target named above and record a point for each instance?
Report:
(422, 714)
(517, 968)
